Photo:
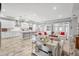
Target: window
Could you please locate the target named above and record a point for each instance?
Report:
(61, 27)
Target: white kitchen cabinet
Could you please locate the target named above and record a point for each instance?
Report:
(7, 24)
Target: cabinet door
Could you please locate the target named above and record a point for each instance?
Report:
(77, 42)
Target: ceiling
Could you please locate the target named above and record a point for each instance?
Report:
(76, 9)
(37, 11)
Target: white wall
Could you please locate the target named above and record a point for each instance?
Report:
(76, 12)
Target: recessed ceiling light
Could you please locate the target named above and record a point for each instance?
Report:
(54, 8)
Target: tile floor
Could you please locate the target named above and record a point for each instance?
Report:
(16, 47)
